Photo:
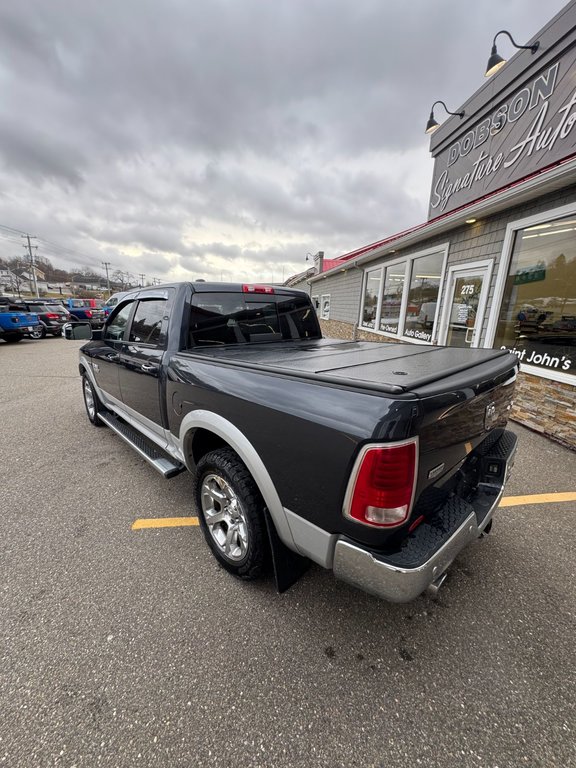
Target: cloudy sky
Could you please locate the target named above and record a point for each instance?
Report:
(226, 139)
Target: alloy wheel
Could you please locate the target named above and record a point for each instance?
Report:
(224, 517)
(89, 399)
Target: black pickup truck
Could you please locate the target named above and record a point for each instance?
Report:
(379, 461)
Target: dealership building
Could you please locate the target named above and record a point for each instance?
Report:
(495, 264)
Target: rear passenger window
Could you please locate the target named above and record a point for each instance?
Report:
(147, 322)
(260, 322)
(214, 319)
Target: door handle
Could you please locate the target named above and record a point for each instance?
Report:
(469, 335)
(148, 367)
(112, 357)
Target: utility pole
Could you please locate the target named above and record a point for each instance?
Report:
(106, 264)
(15, 280)
(32, 265)
(142, 280)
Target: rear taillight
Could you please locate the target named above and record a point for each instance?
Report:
(88, 313)
(52, 316)
(257, 289)
(381, 489)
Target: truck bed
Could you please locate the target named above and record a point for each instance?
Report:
(392, 368)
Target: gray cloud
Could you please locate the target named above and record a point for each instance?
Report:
(227, 136)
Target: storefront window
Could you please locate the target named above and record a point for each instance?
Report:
(392, 297)
(371, 293)
(538, 314)
(423, 296)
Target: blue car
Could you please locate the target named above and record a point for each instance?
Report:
(15, 324)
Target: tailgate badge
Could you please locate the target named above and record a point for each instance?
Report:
(435, 471)
(490, 415)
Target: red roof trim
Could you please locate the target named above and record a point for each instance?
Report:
(331, 264)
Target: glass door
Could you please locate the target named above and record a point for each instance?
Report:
(466, 295)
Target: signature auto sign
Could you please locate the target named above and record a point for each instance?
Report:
(529, 131)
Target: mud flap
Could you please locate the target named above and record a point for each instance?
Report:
(288, 565)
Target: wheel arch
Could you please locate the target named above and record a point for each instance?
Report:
(85, 369)
(202, 431)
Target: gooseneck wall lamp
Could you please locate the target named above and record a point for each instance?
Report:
(495, 62)
(432, 124)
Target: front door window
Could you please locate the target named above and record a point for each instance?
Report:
(116, 326)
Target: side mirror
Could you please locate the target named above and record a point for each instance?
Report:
(76, 331)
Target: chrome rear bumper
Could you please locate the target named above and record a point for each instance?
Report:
(389, 578)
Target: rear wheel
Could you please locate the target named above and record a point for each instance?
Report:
(12, 338)
(39, 332)
(231, 513)
(91, 401)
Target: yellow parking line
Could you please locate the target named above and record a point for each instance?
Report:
(163, 522)
(507, 501)
(537, 498)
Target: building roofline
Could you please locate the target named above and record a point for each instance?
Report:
(555, 175)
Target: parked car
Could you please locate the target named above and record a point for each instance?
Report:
(85, 309)
(378, 461)
(51, 316)
(15, 323)
(57, 306)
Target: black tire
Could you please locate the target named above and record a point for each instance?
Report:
(91, 402)
(13, 338)
(224, 488)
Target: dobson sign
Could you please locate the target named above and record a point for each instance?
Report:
(533, 129)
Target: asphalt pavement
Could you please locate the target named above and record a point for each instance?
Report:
(133, 648)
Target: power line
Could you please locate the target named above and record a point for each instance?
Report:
(49, 247)
(8, 239)
(68, 251)
(63, 248)
(11, 229)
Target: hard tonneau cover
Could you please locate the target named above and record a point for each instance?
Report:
(387, 367)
